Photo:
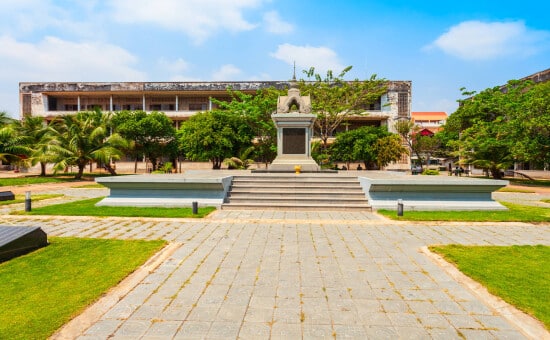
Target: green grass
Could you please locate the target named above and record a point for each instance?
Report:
(545, 201)
(508, 189)
(517, 274)
(527, 182)
(36, 197)
(43, 290)
(88, 208)
(59, 178)
(90, 186)
(31, 180)
(515, 213)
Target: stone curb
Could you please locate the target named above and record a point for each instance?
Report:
(528, 325)
(92, 313)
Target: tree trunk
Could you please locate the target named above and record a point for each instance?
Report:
(111, 170)
(135, 165)
(80, 171)
(42, 169)
(496, 173)
(216, 164)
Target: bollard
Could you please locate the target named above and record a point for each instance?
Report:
(399, 207)
(195, 208)
(28, 202)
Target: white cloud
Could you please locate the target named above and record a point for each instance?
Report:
(322, 58)
(226, 72)
(176, 66)
(476, 40)
(199, 19)
(54, 59)
(274, 24)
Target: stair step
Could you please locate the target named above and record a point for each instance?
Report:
(292, 206)
(296, 193)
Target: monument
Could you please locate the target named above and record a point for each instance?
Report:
(294, 122)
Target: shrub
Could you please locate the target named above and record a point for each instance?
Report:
(430, 172)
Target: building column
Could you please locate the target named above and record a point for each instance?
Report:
(177, 103)
(78, 103)
(209, 104)
(111, 103)
(143, 103)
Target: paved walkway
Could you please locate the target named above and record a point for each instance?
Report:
(292, 275)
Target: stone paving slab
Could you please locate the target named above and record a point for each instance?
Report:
(260, 274)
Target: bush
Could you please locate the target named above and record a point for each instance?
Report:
(430, 172)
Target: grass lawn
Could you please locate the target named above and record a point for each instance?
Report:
(31, 180)
(527, 182)
(517, 274)
(88, 208)
(59, 178)
(35, 197)
(508, 189)
(515, 213)
(43, 290)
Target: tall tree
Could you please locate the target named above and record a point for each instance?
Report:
(83, 138)
(334, 99)
(151, 135)
(374, 146)
(256, 110)
(214, 136)
(37, 136)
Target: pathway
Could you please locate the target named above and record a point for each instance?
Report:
(286, 275)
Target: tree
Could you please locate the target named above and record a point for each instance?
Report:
(256, 110)
(374, 146)
(334, 99)
(530, 128)
(503, 125)
(389, 149)
(214, 136)
(152, 135)
(37, 136)
(83, 138)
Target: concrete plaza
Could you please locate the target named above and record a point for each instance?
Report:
(292, 275)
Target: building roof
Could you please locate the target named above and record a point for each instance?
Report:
(428, 116)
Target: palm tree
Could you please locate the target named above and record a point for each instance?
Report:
(37, 136)
(83, 138)
(12, 145)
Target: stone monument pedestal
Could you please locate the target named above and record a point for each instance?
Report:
(294, 132)
(294, 122)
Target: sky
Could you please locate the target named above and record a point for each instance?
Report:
(441, 46)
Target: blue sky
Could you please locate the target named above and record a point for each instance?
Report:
(440, 46)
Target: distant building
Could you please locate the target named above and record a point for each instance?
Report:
(181, 100)
(429, 122)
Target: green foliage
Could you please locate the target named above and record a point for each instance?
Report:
(515, 213)
(43, 290)
(334, 99)
(214, 136)
(152, 135)
(242, 161)
(430, 172)
(88, 208)
(83, 138)
(517, 274)
(256, 111)
(374, 146)
(499, 126)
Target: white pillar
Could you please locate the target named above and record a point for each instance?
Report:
(177, 103)
(111, 103)
(143, 103)
(209, 104)
(78, 103)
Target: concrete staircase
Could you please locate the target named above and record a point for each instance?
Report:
(296, 192)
